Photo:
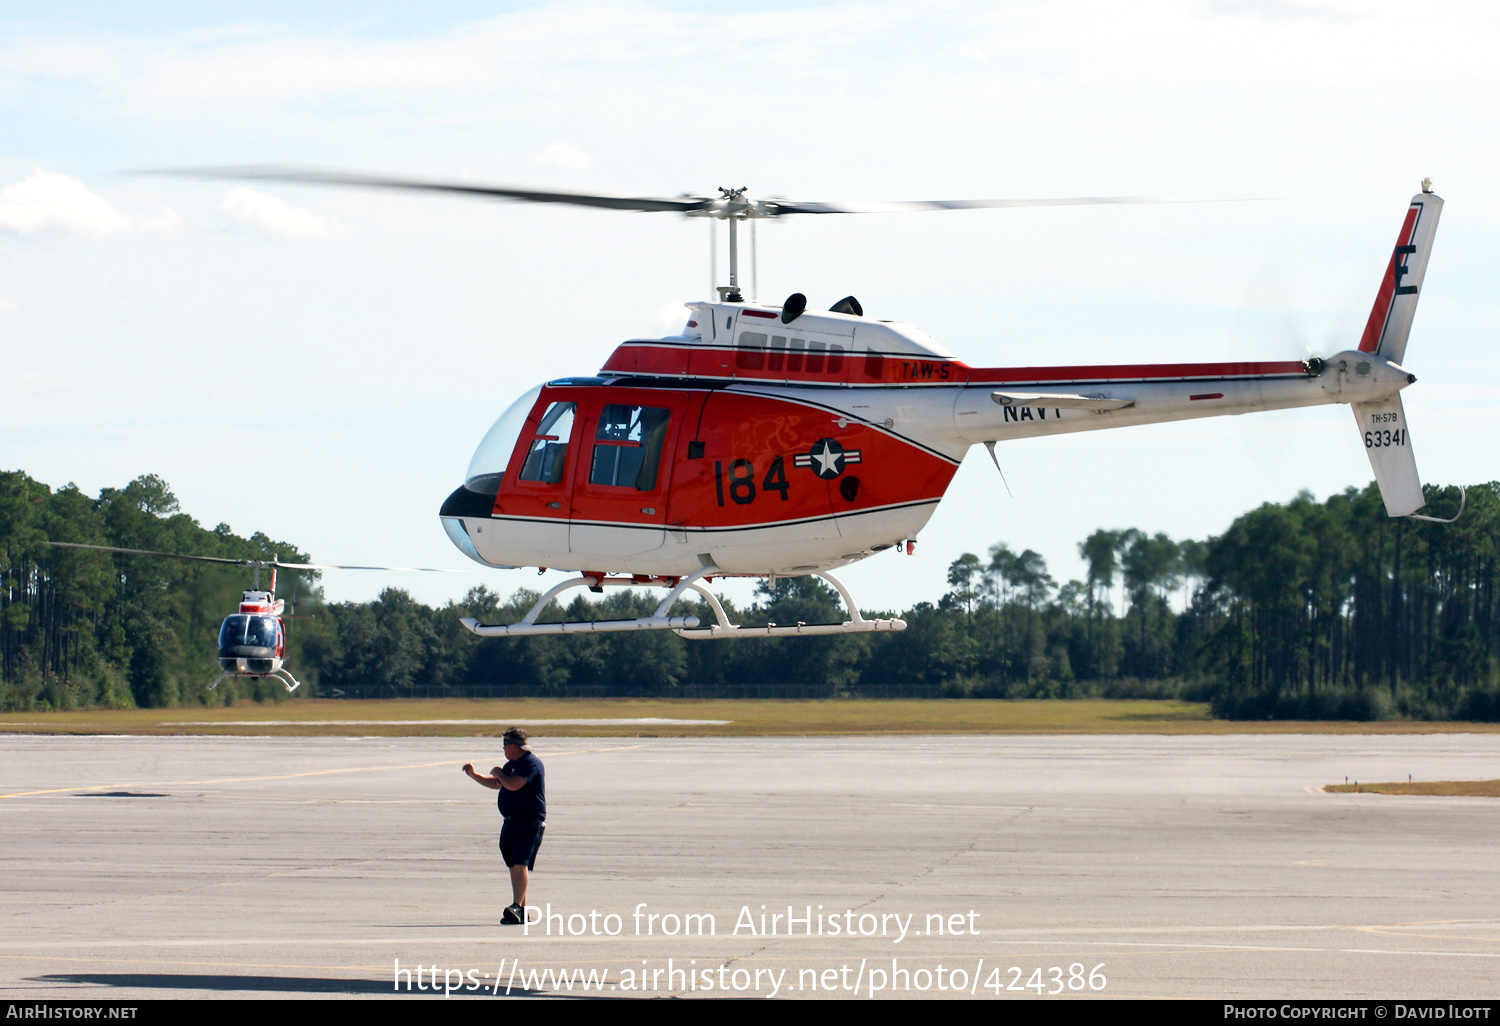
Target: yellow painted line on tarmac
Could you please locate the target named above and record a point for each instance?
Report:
(227, 780)
(636, 721)
(278, 776)
(1409, 931)
(41, 949)
(215, 965)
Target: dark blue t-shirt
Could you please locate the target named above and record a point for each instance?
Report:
(530, 801)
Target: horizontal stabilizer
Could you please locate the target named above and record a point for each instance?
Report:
(1382, 428)
(1060, 401)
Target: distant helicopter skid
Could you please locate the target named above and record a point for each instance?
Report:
(283, 674)
(767, 441)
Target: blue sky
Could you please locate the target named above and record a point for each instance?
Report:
(319, 364)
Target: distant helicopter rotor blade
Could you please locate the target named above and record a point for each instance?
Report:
(254, 564)
(147, 552)
(337, 566)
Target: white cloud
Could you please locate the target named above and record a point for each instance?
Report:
(8, 305)
(33, 383)
(274, 216)
(672, 316)
(563, 155)
(547, 48)
(45, 202)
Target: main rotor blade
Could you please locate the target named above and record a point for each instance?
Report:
(274, 173)
(896, 206)
(736, 205)
(263, 564)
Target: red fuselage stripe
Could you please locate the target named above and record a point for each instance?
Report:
(1135, 372)
(718, 363)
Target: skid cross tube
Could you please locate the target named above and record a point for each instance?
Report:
(856, 624)
(528, 625)
(685, 626)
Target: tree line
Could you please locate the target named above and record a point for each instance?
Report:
(1302, 609)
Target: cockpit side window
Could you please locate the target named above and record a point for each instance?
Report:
(487, 468)
(628, 446)
(547, 456)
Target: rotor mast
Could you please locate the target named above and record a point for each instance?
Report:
(731, 206)
(732, 293)
(734, 206)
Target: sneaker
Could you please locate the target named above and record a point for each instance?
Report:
(512, 916)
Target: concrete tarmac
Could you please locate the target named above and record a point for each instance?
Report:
(1097, 866)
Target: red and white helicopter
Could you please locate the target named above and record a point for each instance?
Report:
(252, 641)
(770, 441)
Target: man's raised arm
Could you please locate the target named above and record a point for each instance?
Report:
(495, 782)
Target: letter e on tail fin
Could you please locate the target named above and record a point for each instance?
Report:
(1396, 302)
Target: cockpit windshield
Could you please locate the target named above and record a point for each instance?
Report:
(487, 468)
(255, 631)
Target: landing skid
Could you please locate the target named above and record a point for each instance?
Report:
(685, 626)
(284, 675)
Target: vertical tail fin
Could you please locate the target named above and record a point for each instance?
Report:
(1396, 302)
(1382, 424)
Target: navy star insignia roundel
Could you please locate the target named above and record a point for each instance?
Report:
(827, 458)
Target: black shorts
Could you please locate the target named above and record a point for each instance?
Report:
(519, 840)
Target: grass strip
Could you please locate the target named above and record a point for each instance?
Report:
(748, 718)
(1463, 788)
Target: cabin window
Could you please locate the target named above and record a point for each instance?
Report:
(628, 446)
(794, 358)
(776, 358)
(835, 358)
(874, 365)
(752, 353)
(815, 357)
(548, 455)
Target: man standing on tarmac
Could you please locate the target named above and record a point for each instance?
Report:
(523, 804)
